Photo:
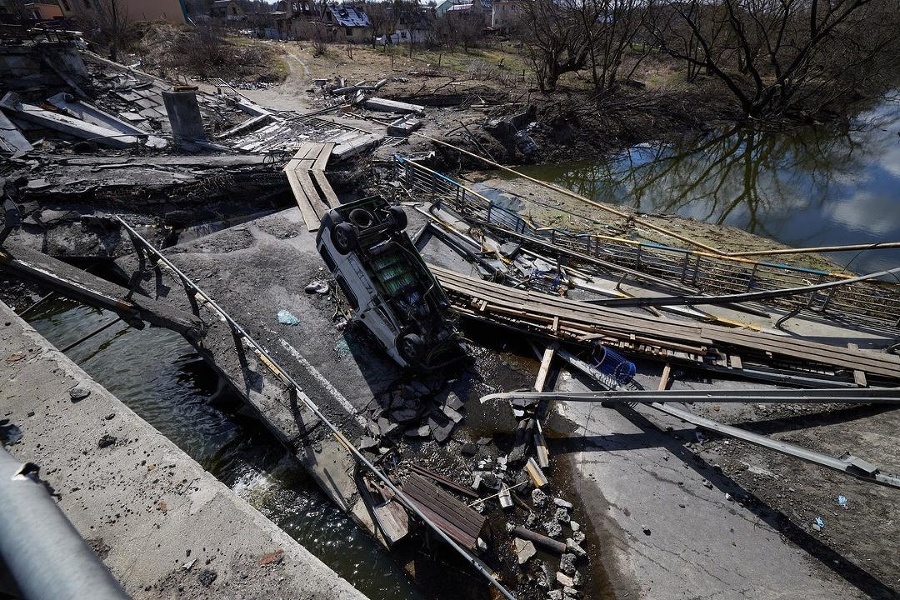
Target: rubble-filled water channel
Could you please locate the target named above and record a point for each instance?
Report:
(159, 376)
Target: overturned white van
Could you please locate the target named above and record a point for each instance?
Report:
(392, 292)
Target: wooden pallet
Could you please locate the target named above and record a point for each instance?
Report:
(454, 518)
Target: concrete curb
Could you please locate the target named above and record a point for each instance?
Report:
(165, 527)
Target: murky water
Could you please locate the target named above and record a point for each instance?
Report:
(811, 187)
(160, 377)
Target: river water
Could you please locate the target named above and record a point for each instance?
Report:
(160, 377)
(815, 186)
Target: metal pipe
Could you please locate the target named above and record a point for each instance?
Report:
(44, 552)
(745, 297)
(805, 396)
(847, 464)
(288, 380)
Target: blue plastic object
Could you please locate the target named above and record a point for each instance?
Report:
(614, 364)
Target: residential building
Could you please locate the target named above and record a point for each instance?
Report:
(43, 11)
(340, 23)
(505, 14)
(229, 10)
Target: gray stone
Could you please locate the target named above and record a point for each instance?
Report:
(564, 579)
(469, 449)
(524, 550)
(78, 393)
(404, 415)
(562, 503)
(385, 426)
(367, 442)
(422, 431)
(454, 401)
(574, 548)
(575, 525)
(555, 595)
(553, 528)
(562, 515)
(567, 564)
(530, 520)
(440, 431)
(578, 537)
(451, 414)
(420, 388)
(538, 498)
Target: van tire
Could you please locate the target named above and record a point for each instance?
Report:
(344, 237)
(362, 218)
(411, 347)
(397, 219)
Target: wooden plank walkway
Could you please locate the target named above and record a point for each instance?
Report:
(454, 518)
(306, 176)
(563, 318)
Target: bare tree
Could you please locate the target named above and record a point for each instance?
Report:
(771, 54)
(556, 41)
(610, 27)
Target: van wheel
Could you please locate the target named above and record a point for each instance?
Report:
(362, 218)
(344, 237)
(397, 218)
(411, 347)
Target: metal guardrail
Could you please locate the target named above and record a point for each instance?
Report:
(871, 303)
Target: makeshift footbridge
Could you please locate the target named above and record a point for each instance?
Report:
(747, 353)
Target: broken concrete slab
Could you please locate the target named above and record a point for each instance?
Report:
(524, 550)
(92, 114)
(441, 427)
(385, 105)
(184, 115)
(11, 139)
(356, 145)
(65, 124)
(451, 414)
(404, 126)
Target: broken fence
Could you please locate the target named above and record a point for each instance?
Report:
(875, 303)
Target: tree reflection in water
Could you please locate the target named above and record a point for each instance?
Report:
(814, 186)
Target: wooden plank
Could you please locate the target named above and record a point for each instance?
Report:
(393, 520)
(312, 194)
(859, 377)
(665, 378)
(444, 481)
(736, 362)
(454, 511)
(329, 196)
(541, 379)
(541, 308)
(453, 517)
(324, 154)
(309, 215)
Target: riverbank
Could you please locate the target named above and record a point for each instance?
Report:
(163, 525)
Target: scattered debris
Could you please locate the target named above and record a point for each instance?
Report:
(286, 318)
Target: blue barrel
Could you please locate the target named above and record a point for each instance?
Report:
(614, 364)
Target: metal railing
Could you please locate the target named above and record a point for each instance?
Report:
(871, 302)
(146, 250)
